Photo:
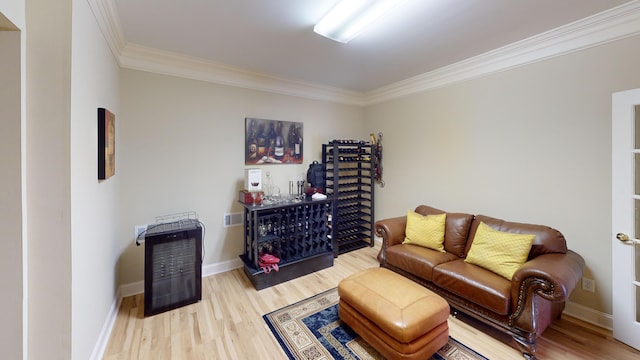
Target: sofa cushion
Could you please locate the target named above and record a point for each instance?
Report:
(477, 285)
(499, 251)
(425, 230)
(457, 227)
(547, 240)
(416, 260)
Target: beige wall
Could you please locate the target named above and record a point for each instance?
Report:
(532, 144)
(48, 67)
(182, 149)
(11, 245)
(51, 314)
(95, 205)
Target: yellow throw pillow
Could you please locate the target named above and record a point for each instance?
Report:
(426, 231)
(500, 252)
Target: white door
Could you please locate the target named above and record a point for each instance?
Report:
(626, 216)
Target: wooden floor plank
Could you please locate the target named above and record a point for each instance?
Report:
(228, 324)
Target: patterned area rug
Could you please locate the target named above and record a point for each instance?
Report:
(312, 330)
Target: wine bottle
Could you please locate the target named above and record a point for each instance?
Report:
(291, 140)
(297, 144)
(278, 151)
(252, 144)
(271, 139)
(262, 141)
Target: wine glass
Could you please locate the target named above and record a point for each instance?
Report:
(262, 229)
(254, 194)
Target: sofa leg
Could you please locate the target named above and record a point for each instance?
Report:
(527, 347)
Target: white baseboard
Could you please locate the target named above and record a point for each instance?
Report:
(221, 267)
(589, 315)
(131, 289)
(138, 288)
(105, 332)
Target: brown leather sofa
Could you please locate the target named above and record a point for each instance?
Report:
(522, 307)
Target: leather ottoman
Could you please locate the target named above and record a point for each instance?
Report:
(396, 316)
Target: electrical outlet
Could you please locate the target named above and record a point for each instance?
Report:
(588, 285)
(139, 229)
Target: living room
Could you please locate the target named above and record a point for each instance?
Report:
(528, 143)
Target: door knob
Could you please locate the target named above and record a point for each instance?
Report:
(622, 237)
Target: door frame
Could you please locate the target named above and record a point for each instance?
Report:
(626, 328)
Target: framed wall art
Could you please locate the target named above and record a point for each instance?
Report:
(272, 142)
(106, 144)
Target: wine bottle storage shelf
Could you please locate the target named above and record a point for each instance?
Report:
(348, 219)
(299, 234)
(357, 178)
(353, 210)
(355, 196)
(351, 159)
(357, 223)
(349, 178)
(353, 203)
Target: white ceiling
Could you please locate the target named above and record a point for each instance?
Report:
(276, 38)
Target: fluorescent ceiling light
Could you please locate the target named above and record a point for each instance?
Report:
(347, 19)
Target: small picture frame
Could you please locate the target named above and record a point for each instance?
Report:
(106, 144)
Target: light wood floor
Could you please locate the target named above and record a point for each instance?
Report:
(228, 324)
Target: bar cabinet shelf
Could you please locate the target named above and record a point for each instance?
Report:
(298, 233)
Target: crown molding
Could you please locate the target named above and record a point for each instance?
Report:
(611, 25)
(108, 21)
(142, 58)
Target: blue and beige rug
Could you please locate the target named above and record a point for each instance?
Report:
(312, 330)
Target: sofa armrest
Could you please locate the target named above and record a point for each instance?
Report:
(555, 276)
(391, 231)
(550, 276)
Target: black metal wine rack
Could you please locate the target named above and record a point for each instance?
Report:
(299, 234)
(350, 180)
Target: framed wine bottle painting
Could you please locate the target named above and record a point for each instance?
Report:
(272, 142)
(106, 144)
